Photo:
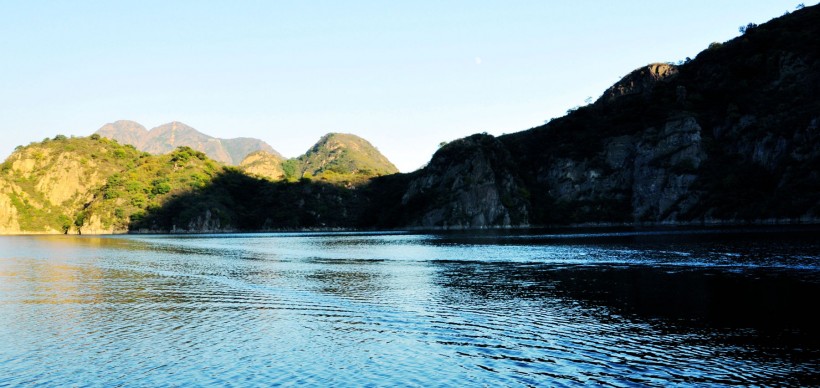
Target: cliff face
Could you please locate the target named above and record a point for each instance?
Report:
(9, 223)
(731, 136)
(641, 177)
(45, 186)
(469, 183)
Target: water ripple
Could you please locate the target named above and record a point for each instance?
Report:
(405, 309)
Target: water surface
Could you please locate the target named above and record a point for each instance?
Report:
(498, 308)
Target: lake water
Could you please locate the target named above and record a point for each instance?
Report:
(498, 308)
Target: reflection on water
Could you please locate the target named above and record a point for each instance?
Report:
(502, 308)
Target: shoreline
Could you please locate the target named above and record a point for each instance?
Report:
(711, 224)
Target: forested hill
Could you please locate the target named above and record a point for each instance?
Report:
(96, 185)
(336, 157)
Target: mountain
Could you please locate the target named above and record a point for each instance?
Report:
(167, 137)
(96, 185)
(728, 137)
(344, 154)
(125, 132)
(44, 187)
(340, 158)
(731, 136)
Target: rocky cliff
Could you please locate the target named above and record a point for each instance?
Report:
(728, 137)
(9, 222)
(44, 187)
(470, 183)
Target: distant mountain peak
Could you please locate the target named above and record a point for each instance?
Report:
(124, 131)
(167, 137)
(345, 153)
(336, 157)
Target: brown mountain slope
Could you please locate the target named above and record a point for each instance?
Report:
(263, 164)
(167, 137)
(125, 132)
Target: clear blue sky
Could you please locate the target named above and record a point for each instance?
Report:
(404, 75)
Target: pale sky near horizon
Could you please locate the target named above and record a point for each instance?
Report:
(403, 75)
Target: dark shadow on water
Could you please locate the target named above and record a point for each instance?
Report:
(768, 309)
(761, 298)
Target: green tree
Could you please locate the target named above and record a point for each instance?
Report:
(65, 223)
(79, 221)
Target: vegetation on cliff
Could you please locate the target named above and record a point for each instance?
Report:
(129, 196)
(48, 185)
(95, 185)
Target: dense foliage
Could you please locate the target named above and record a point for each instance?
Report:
(128, 196)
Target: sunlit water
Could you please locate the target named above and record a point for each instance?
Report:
(503, 308)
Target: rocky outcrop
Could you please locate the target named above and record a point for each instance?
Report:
(94, 225)
(46, 185)
(730, 137)
(59, 178)
(635, 178)
(469, 183)
(204, 223)
(640, 81)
